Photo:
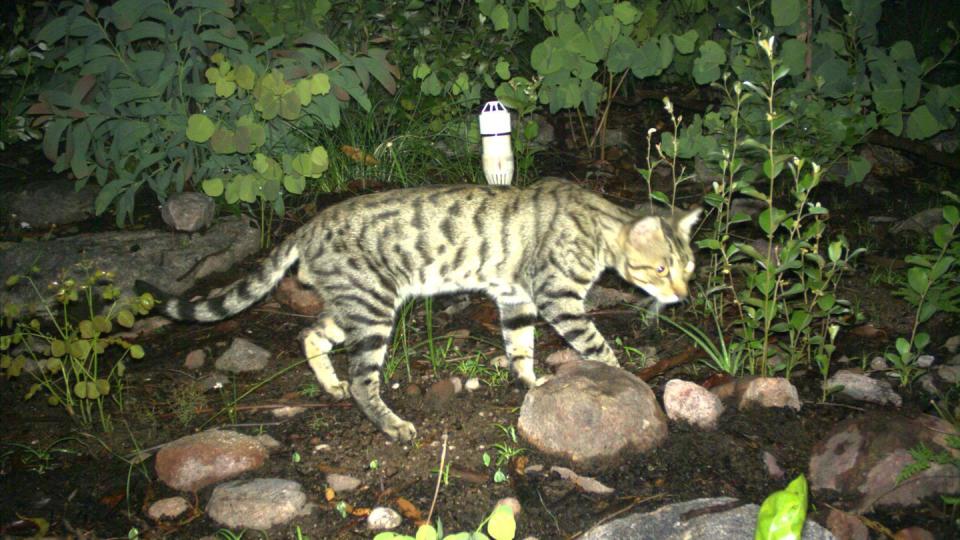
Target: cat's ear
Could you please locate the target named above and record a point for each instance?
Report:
(645, 231)
(687, 221)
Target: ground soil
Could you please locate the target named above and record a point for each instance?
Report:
(85, 489)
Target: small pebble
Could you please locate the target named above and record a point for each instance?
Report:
(925, 360)
(472, 384)
(383, 519)
(512, 502)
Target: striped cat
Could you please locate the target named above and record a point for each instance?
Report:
(536, 251)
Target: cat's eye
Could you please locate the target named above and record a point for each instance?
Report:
(661, 270)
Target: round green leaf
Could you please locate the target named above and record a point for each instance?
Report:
(625, 13)
(421, 71)
(58, 348)
(245, 77)
(102, 324)
(294, 184)
(136, 352)
(686, 41)
(320, 160)
(319, 84)
(503, 69)
(125, 318)
(501, 21)
(200, 128)
(917, 279)
(213, 186)
(87, 330)
(785, 12)
(502, 524)
(103, 386)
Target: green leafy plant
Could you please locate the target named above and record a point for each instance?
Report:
(931, 287)
(783, 513)
(792, 276)
(70, 361)
(20, 63)
(720, 356)
(39, 460)
(172, 94)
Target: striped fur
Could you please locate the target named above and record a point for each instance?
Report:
(535, 251)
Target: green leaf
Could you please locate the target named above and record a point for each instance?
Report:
(857, 169)
(319, 84)
(125, 318)
(200, 128)
(686, 42)
(921, 123)
(706, 68)
(785, 12)
(500, 18)
(426, 532)
(294, 183)
(213, 186)
(783, 513)
(951, 215)
(58, 348)
(502, 524)
(136, 351)
(918, 280)
(625, 12)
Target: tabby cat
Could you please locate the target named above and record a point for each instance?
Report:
(536, 251)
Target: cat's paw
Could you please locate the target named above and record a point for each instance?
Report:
(400, 430)
(339, 391)
(541, 380)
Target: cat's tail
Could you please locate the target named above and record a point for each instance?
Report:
(235, 297)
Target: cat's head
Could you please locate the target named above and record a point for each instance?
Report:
(656, 255)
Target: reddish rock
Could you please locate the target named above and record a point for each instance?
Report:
(295, 296)
(860, 459)
(202, 459)
(590, 413)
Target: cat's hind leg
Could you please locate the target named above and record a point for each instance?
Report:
(318, 341)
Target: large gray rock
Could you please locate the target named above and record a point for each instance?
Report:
(717, 519)
(47, 202)
(860, 459)
(196, 461)
(168, 260)
(590, 413)
(257, 504)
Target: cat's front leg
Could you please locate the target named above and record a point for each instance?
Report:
(516, 321)
(567, 316)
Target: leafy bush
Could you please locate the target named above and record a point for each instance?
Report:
(19, 64)
(139, 85)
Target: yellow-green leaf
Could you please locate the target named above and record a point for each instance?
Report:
(245, 77)
(213, 186)
(200, 128)
(125, 318)
(58, 348)
(502, 524)
(320, 84)
(87, 330)
(102, 324)
(136, 352)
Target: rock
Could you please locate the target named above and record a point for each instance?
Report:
(457, 384)
(878, 363)
(342, 482)
(860, 459)
(925, 360)
(243, 356)
(195, 359)
(500, 362)
(413, 390)
(214, 381)
(691, 403)
(752, 391)
(922, 222)
(773, 468)
(291, 293)
(949, 373)
(173, 262)
(512, 502)
(195, 461)
(590, 485)
(257, 504)
(928, 384)
(717, 519)
(590, 412)
(602, 297)
(563, 356)
(287, 412)
(846, 526)
(952, 344)
(48, 202)
(913, 533)
(439, 394)
(169, 508)
(472, 384)
(856, 385)
(188, 211)
(383, 519)
(268, 442)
